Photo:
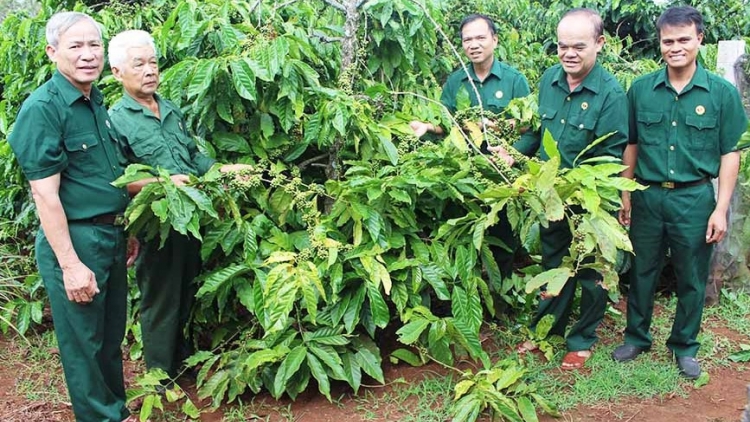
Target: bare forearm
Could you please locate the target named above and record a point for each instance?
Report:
(55, 226)
(730, 164)
(629, 158)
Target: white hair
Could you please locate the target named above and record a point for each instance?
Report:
(120, 43)
(60, 22)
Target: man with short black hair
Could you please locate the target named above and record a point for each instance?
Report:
(496, 83)
(685, 123)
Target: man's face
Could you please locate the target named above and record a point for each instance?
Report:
(478, 41)
(679, 45)
(140, 72)
(79, 54)
(577, 45)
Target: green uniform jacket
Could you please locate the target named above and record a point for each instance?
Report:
(681, 137)
(158, 142)
(596, 107)
(54, 133)
(503, 84)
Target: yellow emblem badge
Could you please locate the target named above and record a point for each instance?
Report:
(700, 110)
(584, 105)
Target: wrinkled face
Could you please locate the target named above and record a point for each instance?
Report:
(478, 42)
(79, 55)
(140, 72)
(577, 45)
(679, 45)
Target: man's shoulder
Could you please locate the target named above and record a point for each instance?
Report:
(646, 81)
(718, 81)
(508, 70)
(610, 82)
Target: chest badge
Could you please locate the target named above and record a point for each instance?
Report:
(109, 126)
(179, 124)
(700, 110)
(584, 105)
(499, 94)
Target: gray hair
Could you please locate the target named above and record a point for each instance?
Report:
(120, 43)
(60, 22)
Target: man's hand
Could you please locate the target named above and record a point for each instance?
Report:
(179, 179)
(228, 168)
(717, 226)
(80, 283)
(501, 153)
(420, 128)
(133, 248)
(624, 215)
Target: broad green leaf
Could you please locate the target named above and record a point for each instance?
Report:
(319, 373)
(218, 278)
(550, 145)
(288, 368)
(406, 356)
(243, 79)
(554, 279)
(546, 405)
(409, 333)
(370, 363)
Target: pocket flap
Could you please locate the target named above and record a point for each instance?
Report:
(649, 118)
(701, 122)
(81, 142)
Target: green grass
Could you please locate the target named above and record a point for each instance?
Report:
(41, 374)
(416, 401)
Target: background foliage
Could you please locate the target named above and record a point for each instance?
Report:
(350, 236)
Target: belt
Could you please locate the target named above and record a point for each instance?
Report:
(104, 219)
(675, 185)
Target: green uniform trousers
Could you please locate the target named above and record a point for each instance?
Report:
(165, 279)
(503, 231)
(556, 240)
(676, 219)
(89, 336)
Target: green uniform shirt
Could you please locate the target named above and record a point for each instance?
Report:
(681, 137)
(158, 142)
(501, 85)
(58, 130)
(596, 107)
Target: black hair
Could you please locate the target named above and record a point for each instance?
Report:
(590, 13)
(680, 16)
(474, 17)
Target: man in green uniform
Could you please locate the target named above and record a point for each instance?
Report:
(579, 102)
(155, 134)
(684, 127)
(497, 84)
(68, 150)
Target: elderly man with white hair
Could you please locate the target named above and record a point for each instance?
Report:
(155, 133)
(69, 151)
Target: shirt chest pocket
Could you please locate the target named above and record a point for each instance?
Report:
(497, 105)
(83, 151)
(148, 149)
(579, 133)
(702, 132)
(650, 128)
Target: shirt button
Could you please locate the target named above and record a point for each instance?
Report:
(567, 99)
(671, 171)
(671, 147)
(674, 123)
(544, 115)
(677, 98)
(84, 147)
(562, 121)
(580, 126)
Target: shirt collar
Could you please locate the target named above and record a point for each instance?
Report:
(700, 78)
(496, 70)
(131, 104)
(70, 93)
(592, 81)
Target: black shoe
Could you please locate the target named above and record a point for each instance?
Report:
(627, 352)
(689, 367)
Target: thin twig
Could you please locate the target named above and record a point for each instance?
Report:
(335, 4)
